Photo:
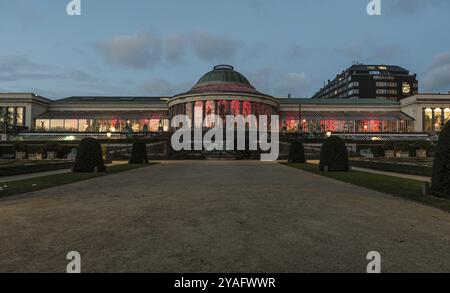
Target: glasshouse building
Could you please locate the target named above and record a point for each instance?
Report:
(222, 91)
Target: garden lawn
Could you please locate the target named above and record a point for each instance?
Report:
(38, 183)
(400, 187)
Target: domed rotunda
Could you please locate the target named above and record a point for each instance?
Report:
(222, 91)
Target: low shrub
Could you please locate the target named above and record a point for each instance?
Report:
(139, 153)
(440, 185)
(53, 146)
(388, 146)
(89, 156)
(334, 155)
(296, 153)
(19, 146)
(402, 147)
(35, 149)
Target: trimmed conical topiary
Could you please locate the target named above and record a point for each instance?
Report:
(334, 155)
(296, 153)
(440, 185)
(139, 153)
(89, 156)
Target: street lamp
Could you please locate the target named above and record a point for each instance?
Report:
(107, 156)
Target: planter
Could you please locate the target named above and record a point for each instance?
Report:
(421, 153)
(35, 156)
(21, 155)
(51, 155)
(389, 154)
(402, 154)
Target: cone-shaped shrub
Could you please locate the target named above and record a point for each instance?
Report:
(334, 155)
(296, 153)
(139, 153)
(440, 185)
(89, 156)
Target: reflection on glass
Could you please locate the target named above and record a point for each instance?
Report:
(198, 114)
(446, 115)
(210, 109)
(428, 120)
(437, 119)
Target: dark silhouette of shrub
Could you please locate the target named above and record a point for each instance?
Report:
(296, 153)
(139, 153)
(19, 146)
(334, 155)
(89, 156)
(440, 185)
(53, 146)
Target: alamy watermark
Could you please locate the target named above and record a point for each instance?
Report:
(74, 8)
(213, 140)
(74, 265)
(374, 8)
(374, 265)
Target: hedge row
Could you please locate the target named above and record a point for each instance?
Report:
(27, 169)
(394, 167)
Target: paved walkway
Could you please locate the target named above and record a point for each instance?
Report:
(219, 216)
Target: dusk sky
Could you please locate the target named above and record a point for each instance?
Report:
(151, 48)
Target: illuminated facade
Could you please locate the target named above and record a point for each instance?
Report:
(222, 91)
(383, 82)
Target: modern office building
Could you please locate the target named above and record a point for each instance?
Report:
(222, 91)
(383, 82)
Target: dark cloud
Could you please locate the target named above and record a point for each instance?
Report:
(176, 47)
(138, 51)
(437, 77)
(20, 68)
(146, 50)
(214, 48)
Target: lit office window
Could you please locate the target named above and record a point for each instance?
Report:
(406, 88)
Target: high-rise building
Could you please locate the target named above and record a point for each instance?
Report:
(384, 82)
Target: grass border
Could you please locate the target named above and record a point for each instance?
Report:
(409, 189)
(43, 182)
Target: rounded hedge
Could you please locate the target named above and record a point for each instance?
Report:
(139, 153)
(19, 146)
(296, 153)
(440, 185)
(89, 156)
(334, 155)
(53, 146)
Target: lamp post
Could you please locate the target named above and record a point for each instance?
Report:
(107, 156)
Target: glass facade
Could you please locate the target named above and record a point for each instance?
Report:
(14, 116)
(305, 123)
(435, 118)
(103, 125)
(222, 108)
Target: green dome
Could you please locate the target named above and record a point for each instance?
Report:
(223, 73)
